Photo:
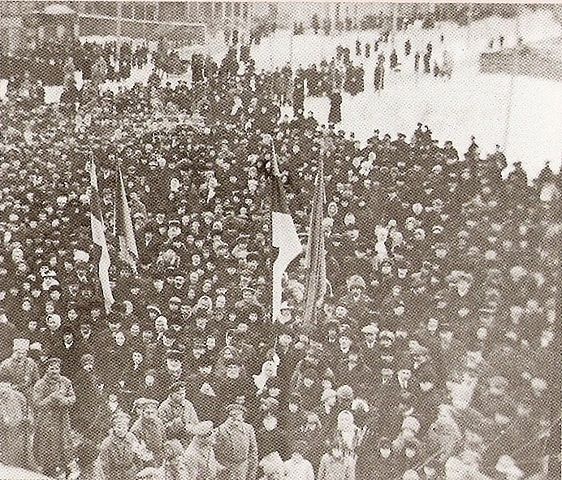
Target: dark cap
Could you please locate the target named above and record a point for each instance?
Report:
(176, 387)
(53, 361)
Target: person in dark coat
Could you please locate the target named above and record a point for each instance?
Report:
(379, 74)
(298, 98)
(88, 395)
(118, 458)
(382, 460)
(272, 438)
(334, 116)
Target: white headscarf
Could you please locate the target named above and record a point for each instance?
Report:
(268, 370)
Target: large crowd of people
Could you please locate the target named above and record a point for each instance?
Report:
(431, 356)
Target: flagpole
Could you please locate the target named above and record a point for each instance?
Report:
(554, 439)
(124, 230)
(98, 236)
(273, 168)
(316, 283)
(284, 235)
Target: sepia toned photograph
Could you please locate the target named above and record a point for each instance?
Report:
(280, 240)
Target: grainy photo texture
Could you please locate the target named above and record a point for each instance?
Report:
(280, 241)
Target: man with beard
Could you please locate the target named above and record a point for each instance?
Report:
(357, 302)
(235, 386)
(53, 396)
(150, 431)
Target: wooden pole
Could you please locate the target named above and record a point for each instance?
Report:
(514, 71)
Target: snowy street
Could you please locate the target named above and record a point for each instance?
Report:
(470, 103)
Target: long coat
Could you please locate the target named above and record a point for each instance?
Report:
(200, 462)
(178, 418)
(151, 432)
(52, 397)
(13, 428)
(236, 450)
(335, 108)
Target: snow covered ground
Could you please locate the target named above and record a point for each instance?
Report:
(521, 114)
(471, 103)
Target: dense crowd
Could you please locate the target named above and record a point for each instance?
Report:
(52, 60)
(431, 357)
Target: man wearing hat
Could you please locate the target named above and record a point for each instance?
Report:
(404, 377)
(178, 413)
(234, 384)
(248, 301)
(357, 302)
(173, 372)
(236, 446)
(88, 395)
(199, 456)
(52, 397)
(149, 430)
(22, 371)
(120, 456)
(69, 352)
(368, 346)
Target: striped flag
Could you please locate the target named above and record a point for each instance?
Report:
(315, 252)
(124, 231)
(284, 236)
(98, 238)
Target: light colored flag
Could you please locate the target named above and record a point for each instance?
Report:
(98, 238)
(316, 283)
(124, 231)
(284, 236)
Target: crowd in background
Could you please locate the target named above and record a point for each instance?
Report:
(432, 356)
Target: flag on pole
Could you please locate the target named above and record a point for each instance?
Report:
(98, 238)
(284, 236)
(124, 231)
(315, 252)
